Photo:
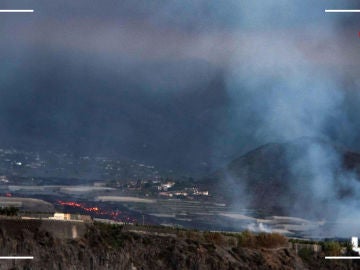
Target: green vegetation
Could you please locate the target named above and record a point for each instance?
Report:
(261, 240)
(9, 211)
(304, 241)
(306, 253)
(331, 248)
(111, 234)
(348, 249)
(214, 237)
(116, 236)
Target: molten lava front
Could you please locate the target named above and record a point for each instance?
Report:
(96, 211)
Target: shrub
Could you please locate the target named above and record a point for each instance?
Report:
(214, 237)
(332, 248)
(192, 235)
(270, 240)
(349, 249)
(181, 234)
(9, 211)
(246, 239)
(306, 253)
(262, 240)
(113, 234)
(232, 241)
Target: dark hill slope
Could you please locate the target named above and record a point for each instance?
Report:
(115, 247)
(279, 176)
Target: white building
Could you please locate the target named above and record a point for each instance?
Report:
(71, 217)
(355, 244)
(61, 216)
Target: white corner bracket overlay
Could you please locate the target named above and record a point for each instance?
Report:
(342, 10)
(355, 248)
(16, 257)
(16, 11)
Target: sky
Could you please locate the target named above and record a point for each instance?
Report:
(187, 85)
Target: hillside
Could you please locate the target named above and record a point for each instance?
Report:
(279, 176)
(118, 247)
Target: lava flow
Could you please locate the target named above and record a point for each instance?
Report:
(98, 212)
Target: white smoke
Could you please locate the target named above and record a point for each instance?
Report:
(259, 227)
(288, 92)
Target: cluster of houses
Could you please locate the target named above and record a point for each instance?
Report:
(185, 193)
(166, 189)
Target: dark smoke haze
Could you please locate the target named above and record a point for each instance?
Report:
(181, 84)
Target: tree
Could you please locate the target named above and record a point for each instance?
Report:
(9, 211)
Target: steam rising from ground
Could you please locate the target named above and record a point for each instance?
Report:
(177, 82)
(259, 227)
(289, 94)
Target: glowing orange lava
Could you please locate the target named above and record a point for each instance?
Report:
(115, 215)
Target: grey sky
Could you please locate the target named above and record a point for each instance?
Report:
(169, 82)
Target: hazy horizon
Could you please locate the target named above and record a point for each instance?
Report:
(185, 85)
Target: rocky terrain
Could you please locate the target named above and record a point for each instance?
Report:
(140, 247)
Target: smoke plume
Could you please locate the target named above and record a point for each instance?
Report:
(186, 84)
(286, 80)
